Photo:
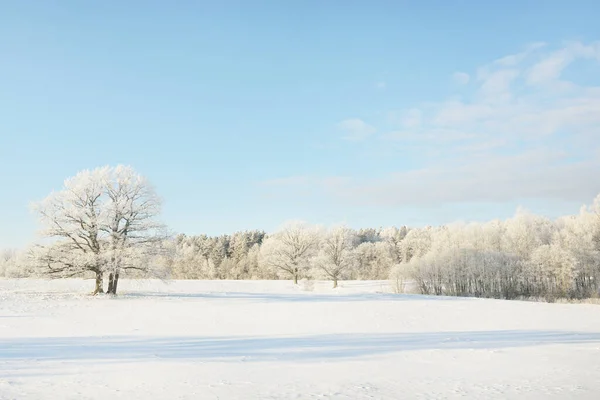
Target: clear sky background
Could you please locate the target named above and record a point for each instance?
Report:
(245, 114)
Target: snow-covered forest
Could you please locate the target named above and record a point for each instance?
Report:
(524, 256)
(104, 224)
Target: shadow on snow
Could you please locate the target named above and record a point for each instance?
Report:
(293, 349)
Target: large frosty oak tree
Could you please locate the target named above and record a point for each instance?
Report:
(102, 221)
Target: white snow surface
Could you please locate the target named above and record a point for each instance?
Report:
(272, 340)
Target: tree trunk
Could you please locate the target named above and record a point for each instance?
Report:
(334, 283)
(111, 282)
(295, 279)
(99, 284)
(114, 289)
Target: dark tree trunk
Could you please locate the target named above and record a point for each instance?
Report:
(334, 283)
(114, 288)
(111, 282)
(99, 284)
(295, 279)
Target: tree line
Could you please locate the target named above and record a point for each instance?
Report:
(296, 251)
(526, 256)
(104, 224)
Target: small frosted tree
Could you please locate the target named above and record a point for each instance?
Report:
(14, 264)
(336, 255)
(290, 250)
(6, 258)
(394, 237)
(554, 270)
(416, 243)
(373, 260)
(526, 232)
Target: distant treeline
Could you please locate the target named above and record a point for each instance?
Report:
(523, 257)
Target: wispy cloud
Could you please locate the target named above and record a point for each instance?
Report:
(513, 59)
(286, 181)
(496, 86)
(550, 68)
(461, 77)
(412, 118)
(539, 174)
(520, 130)
(356, 129)
(505, 105)
(380, 85)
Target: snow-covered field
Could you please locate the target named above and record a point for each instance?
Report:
(271, 340)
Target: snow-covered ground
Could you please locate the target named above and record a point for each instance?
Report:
(271, 340)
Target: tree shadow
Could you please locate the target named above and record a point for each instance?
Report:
(282, 348)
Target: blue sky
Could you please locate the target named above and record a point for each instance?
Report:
(246, 114)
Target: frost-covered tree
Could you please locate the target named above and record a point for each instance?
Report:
(6, 260)
(242, 255)
(72, 218)
(14, 264)
(368, 235)
(416, 243)
(373, 260)
(524, 256)
(290, 250)
(579, 235)
(134, 234)
(222, 257)
(525, 232)
(102, 221)
(552, 271)
(394, 237)
(336, 253)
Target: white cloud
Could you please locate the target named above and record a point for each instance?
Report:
(433, 135)
(454, 113)
(461, 78)
(496, 85)
(412, 118)
(551, 67)
(287, 181)
(505, 107)
(495, 128)
(356, 129)
(525, 132)
(536, 174)
(515, 59)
